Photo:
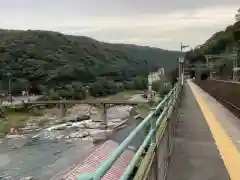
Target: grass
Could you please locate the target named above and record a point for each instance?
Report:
(143, 108)
(18, 119)
(122, 95)
(13, 120)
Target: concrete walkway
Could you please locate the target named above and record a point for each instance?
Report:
(229, 122)
(195, 155)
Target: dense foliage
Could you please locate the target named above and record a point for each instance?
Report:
(221, 42)
(161, 87)
(64, 65)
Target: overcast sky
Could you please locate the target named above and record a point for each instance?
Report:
(159, 23)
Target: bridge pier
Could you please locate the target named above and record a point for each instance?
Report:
(103, 103)
(63, 109)
(104, 115)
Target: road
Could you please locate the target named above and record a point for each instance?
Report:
(26, 98)
(18, 99)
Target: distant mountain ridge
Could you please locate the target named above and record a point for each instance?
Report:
(49, 59)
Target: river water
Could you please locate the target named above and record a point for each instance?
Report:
(46, 158)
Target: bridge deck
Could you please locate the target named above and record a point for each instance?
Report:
(95, 101)
(195, 155)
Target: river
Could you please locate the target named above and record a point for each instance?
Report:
(46, 158)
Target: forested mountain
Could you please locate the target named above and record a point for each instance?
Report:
(221, 42)
(45, 61)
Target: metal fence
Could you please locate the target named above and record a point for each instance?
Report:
(155, 164)
(152, 157)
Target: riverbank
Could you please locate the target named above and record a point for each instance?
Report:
(46, 158)
(55, 151)
(20, 122)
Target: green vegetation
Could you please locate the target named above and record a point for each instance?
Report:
(62, 65)
(73, 67)
(223, 42)
(161, 88)
(125, 95)
(220, 42)
(12, 120)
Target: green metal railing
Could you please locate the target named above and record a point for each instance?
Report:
(155, 118)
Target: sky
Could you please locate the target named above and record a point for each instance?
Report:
(157, 23)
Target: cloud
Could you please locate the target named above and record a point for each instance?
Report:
(156, 23)
(162, 30)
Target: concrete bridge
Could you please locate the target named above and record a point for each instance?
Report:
(103, 104)
(95, 101)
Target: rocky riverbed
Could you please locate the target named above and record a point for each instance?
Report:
(60, 144)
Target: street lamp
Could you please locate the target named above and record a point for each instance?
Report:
(181, 64)
(183, 46)
(150, 80)
(9, 86)
(181, 69)
(86, 89)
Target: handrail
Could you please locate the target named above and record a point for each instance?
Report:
(151, 119)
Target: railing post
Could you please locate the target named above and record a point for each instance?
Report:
(63, 108)
(168, 131)
(151, 139)
(153, 127)
(176, 102)
(169, 139)
(153, 142)
(181, 70)
(105, 117)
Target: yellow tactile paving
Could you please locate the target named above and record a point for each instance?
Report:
(226, 147)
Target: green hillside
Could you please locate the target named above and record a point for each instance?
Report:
(221, 42)
(45, 61)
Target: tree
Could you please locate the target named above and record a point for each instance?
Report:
(53, 94)
(173, 76)
(140, 82)
(157, 86)
(220, 42)
(43, 60)
(20, 85)
(4, 127)
(129, 85)
(96, 89)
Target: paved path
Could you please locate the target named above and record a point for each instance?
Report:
(221, 124)
(195, 155)
(17, 100)
(228, 121)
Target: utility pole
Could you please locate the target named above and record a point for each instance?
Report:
(235, 64)
(150, 80)
(181, 64)
(9, 86)
(181, 70)
(183, 46)
(87, 94)
(207, 57)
